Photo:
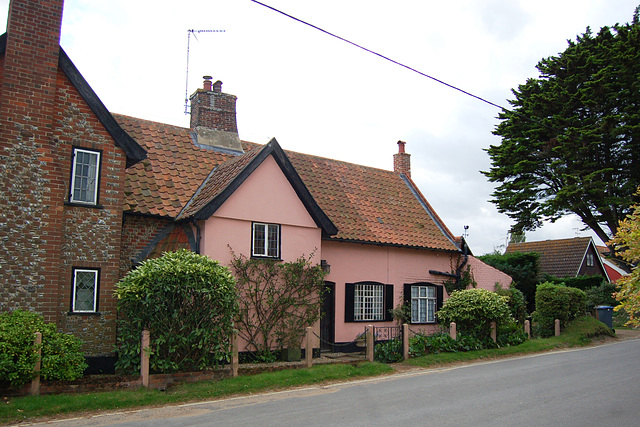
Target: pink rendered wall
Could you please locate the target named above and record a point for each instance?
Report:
(355, 262)
(266, 196)
(486, 276)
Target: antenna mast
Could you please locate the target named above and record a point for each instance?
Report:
(186, 89)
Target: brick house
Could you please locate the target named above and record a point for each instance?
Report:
(572, 257)
(85, 195)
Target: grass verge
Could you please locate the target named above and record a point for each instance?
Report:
(34, 407)
(579, 333)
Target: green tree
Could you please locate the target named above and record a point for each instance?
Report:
(571, 142)
(524, 269)
(188, 302)
(627, 241)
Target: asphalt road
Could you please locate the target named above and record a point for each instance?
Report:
(593, 386)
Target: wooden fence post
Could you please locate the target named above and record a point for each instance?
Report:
(370, 343)
(527, 328)
(453, 331)
(405, 341)
(308, 351)
(494, 332)
(234, 353)
(144, 358)
(557, 325)
(35, 382)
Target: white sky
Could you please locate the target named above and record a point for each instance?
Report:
(321, 96)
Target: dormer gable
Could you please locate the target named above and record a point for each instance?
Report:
(225, 179)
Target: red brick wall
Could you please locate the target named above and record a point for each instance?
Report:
(42, 118)
(214, 110)
(30, 181)
(137, 232)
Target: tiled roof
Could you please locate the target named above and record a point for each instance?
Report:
(368, 204)
(365, 204)
(163, 183)
(217, 181)
(560, 258)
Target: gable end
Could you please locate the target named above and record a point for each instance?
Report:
(272, 148)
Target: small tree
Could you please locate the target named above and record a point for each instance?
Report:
(187, 302)
(627, 242)
(278, 300)
(523, 267)
(61, 354)
(473, 310)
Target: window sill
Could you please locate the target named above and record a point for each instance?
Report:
(84, 313)
(266, 257)
(83, 205)
(368, 321)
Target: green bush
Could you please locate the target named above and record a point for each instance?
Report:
(388, 352)
(516, 302)
(510, 334)
(601, 295)
(421, 345)
(524, 268)
(473, 310)
(62, 357)
(187, 302)
(580, 282)
(556, 301)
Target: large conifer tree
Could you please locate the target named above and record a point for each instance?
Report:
(571, 143)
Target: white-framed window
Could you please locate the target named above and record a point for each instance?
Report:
(265, 240)
(85, 174)
(368, 302)
(85, 290)
(589, 260)
(423, 304)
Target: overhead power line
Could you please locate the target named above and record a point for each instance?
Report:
(381, 56)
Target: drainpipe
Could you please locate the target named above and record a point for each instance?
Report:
(195, 224)
(458, 274)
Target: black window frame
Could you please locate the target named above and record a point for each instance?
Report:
(266, 248)
(439, 299)
(387, 302)
(72, 177)
(72, 309)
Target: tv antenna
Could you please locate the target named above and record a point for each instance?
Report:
(186, 89)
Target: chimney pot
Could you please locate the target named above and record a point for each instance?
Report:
(401, 146)
(217, 87)
(402, 161)
(207, 82)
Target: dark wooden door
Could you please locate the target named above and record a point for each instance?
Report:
(327, 321)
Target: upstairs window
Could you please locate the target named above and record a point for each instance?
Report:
(265, 240)
(589, 260)
(84, 176)
(85, 291)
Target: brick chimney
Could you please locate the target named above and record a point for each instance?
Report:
(30, 62)
(213, 118)
(32, 187)
(402, 161)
